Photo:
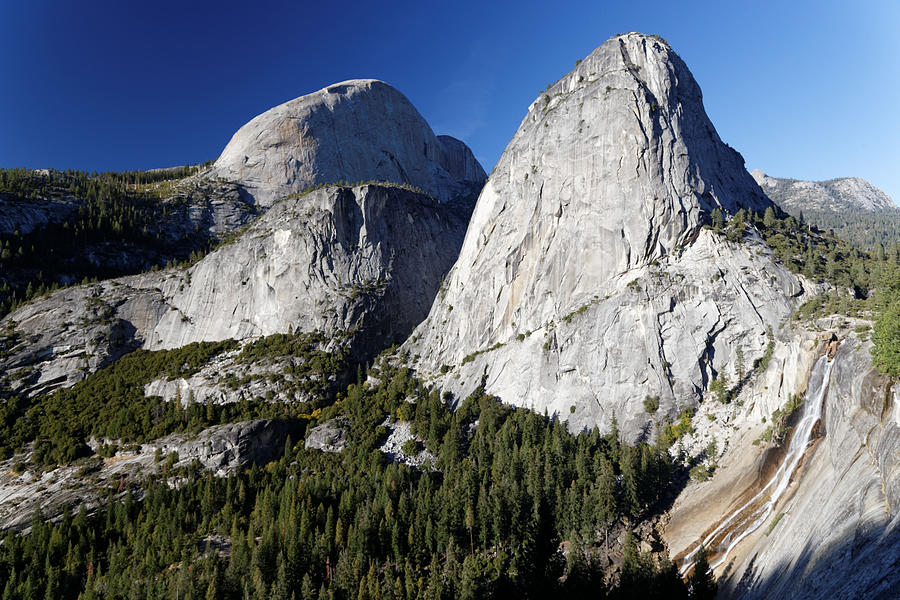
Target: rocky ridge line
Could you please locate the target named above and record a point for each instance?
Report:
(834, 195)
(360, 265)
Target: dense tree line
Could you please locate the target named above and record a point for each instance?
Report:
(33, 185)
(871, 280)
(865, 284)
(863, 230)
(111, 402)
(515, 506)
(803, 249)
(886, 329)
(112, 210)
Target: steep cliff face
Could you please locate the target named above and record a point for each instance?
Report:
(361, 130)
(366, 260)
(353, 131)
(362, 265)
(338, 259)
(586, 282)
(198, 206)
(25, 216)
(838, 536)
(61, 228)
(833, 531)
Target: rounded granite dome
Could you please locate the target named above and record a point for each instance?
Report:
(353, 131)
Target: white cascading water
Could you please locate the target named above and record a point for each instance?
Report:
(745, 520)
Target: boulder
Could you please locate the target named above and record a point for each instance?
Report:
(330, 436)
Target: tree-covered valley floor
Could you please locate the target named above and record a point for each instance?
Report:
(509, 491)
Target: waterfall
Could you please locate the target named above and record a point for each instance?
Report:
(747, 519)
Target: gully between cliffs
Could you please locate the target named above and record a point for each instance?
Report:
(748, 518)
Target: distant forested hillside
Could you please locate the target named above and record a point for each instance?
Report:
(850, 207)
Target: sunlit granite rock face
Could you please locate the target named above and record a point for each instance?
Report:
(362, 259)
(367, 259)
(354, 131)
(361, 265)
(845, 194)
(837, 536)
(586, 281)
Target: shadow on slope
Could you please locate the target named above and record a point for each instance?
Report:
(863, 565)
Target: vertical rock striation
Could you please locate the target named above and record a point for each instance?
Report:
(586, 281)
(363, 262)
(367, 259)
(360, 261)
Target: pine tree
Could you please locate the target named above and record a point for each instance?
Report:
(288, 448)
(470, 523)
(668, 583)
(212, 592)
(435, 585)
(769, 217)
(606, 499)
(307, 589)
(718, 220)
(701, 583)
(281, 589)
(469, 588)
(615, 447)
(631, 481)
(631, 567)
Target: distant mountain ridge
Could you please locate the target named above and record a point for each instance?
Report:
(852, 207)
(840, 194)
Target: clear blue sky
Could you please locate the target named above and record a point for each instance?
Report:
(809, 90)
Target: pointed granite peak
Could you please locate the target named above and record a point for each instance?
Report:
(586, 281)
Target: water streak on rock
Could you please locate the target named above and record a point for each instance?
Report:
(747, 519)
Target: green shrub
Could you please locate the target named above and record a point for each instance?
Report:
(701, 472)
(774, 523)
(171, 459)
(886, 337)
(672, 432)
(470, 357)
(719, 389)
(762, 363)
(777, 431)
(411, 447)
